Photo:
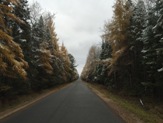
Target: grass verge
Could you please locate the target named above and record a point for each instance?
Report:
(128, 108)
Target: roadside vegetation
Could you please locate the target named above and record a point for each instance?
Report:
(130, 60)
(25, 101)
(129, 108)
(31, 59)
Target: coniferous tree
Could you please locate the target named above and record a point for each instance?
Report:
(119, 25)
(149, 54)
(118, 38)
(30, 35)
(159, 36)
(53, 43)
(12, 59)
(158, 32)
(89, 70)
(134, 57)
(66, 63)
(105, 50)
(152, 50)
(12, 63)
(21, 31)
(135, 45)
(42, 56)
(74, 73)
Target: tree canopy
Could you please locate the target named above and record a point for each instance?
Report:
(30, 56)
(131, 50)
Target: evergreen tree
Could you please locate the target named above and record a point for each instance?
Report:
(12, 63)
(135, 44)
(43, 52)
(131, 54)
(105, 50)
(158, 30)
(21, 31)
(149, 52)
(72, 60)
(74, 73)
(158, 34)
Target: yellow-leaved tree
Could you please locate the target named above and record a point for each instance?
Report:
(12, 63)
(117, 35)
(66, 65)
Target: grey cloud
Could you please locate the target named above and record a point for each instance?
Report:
(78, 23)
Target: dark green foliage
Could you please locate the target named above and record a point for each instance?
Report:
(135, 68)
(74, 73)
(105, 50)
(22, 35)
(152, 51)
(48, 64)
(72, 60)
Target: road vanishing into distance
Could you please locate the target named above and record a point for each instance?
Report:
(74, 104)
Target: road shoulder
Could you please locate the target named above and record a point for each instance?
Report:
(32, 100)
(126, 115)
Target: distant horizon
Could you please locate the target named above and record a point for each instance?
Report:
(79, 24)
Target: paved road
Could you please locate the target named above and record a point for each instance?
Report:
(73, 104)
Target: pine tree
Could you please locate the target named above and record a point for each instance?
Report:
(21, 31)
(105, 50)
(74, 73)
(72, 60)
(48, 44)
(158, 29)
(149, 52)
(137, 25)
(158, 32)
(38, 37)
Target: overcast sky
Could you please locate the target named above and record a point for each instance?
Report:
(79, 23)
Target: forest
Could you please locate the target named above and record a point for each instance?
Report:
(31, 58)
(130, 59)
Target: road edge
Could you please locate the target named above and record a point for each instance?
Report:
(125, 115)
(31, 102)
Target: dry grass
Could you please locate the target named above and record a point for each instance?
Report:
(129, 109)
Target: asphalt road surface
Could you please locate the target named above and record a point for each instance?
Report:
(73, 104)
